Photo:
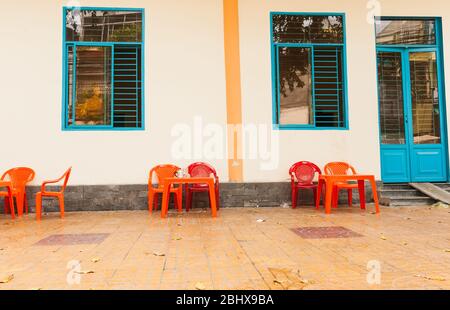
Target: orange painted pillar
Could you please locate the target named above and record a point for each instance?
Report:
(233, 89)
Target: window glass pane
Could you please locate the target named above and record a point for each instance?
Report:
(295, 86)
(103, 26)
(425, 98)
(390, 89)
(307, 29)
(70, 53)
(93, 86)
(406, 32)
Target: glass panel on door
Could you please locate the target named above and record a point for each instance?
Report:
(425, 98)
(390, 89)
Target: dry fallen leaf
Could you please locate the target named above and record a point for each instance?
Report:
(85, 272)
(177, 238)
(442, 279)
(288, 279)
(405, 243)
(7, 279)
(447, 251)
(200, 286)
(383, 237)
(160, 254)
(95, 260)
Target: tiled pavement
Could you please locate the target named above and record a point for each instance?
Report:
(273, 248)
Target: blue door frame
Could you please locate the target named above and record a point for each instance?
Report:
(410, 162)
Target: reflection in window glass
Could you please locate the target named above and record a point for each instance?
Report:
(410, 32)
(307, 29)
(425, 98)
(70, 53)
(295, 86)
(93, 86)
(390, 90)
(103, 26)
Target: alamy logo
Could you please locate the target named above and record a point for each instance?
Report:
(374, 9)
(74, 274)
(374, 275)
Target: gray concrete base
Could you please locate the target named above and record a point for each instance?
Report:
(134, 197)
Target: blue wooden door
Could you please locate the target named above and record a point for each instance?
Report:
(412, 123)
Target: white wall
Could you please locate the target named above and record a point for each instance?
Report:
(359, 145)
(185, 77)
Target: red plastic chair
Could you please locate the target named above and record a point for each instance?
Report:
(302, 177)
(19, 178)
(162, 172)
(59, 195)
(342, 168)
(201, 170)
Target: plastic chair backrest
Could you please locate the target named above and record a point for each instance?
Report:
(201, 170)
(19, 177)
(305, 172)
(66, 176)
(339, 168)
(163, 172)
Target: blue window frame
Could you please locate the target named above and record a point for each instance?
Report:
(309, 73)
(103, 70)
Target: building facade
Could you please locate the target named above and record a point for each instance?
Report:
(114, 88)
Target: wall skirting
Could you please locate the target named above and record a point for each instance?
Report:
(134, 197)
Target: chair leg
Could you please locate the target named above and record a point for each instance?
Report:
(335, 197)
(294, 198)
(362, 195)
(151, 197)
(188, 199)
(319, 194)
(350, 198)
(217, 197)
(209, 199)
(61, 205)
(7, 203)
(38, 206)
(26, 203)
(315, 194)
(179, 197)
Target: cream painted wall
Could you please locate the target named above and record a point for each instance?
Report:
(359, 145)
(185, 77)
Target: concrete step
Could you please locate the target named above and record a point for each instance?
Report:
(402, 193)
(409, 201)
(395, 187)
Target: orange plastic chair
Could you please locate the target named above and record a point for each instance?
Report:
(163, 172)
(342, 168)
(59, 195)
(19, 178)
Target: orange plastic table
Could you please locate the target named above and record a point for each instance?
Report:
(330, 180)
(172, 181)
(8, 186)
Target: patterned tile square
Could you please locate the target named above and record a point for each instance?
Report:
(73, 239)
(332, 232)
